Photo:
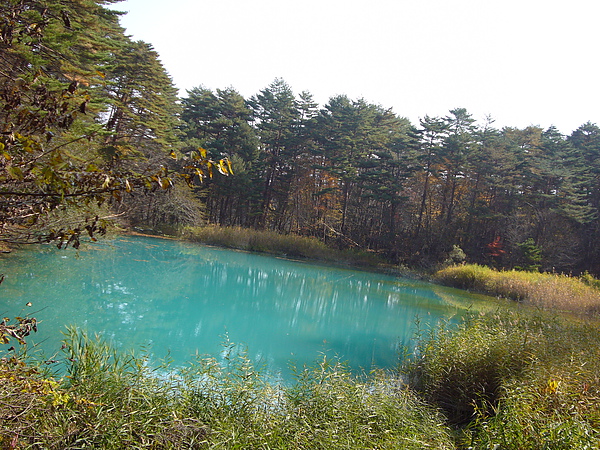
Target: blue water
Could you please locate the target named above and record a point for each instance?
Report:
(181, 299)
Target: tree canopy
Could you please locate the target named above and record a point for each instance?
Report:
(91, 126)
(87, 116)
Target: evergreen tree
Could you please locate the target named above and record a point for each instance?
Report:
(301, 214)
(432, 133)
(220, 122)
(276, 115)
(142, 98)
(346, 138)
(51, 52)
(456, 151)
(586, 186)
(382, 180)
(64, 63)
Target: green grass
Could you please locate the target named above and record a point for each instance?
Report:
(113, 401)
(463, 370)
(514, 381)
(503, 380)
(544, 290)
(289, 245)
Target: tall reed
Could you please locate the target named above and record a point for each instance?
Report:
(289, 245)
(513, 381)
(112, 400)
(502, 380)
(545, 290)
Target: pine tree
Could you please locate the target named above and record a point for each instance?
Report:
(276, 115)
(50, 53)
(64, 64)
(220, 122)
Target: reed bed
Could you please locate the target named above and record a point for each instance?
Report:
(503, 380)
(550, 291)
(513, 381)
(289, 245)
(111, 400)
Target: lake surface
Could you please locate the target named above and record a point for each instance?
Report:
(181, 299)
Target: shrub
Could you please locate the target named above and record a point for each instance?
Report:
(455, 256)
(512, 381)
(531, 256)
(590, 280)
(555, 402)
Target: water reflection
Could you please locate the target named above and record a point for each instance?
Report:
(184, 299)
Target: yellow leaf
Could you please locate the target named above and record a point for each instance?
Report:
(221, 167)
(552, 386)
(229, 166)
(203, 152)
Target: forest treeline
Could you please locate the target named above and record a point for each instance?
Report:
(92, 127)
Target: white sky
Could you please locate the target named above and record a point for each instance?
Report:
(524, 62)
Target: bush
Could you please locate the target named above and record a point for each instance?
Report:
(555, 403)
(531, 256)
(513, 382)
(590, 280)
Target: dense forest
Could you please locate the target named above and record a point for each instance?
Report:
(92, 130)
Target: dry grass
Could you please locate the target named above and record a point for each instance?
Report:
(289, 245)
(544, 290)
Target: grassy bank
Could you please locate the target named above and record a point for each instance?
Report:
(514, 382)
(289, 245)
(496, 381)
(549, 291)
(114, 401)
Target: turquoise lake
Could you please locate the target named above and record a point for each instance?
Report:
(181, 299)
